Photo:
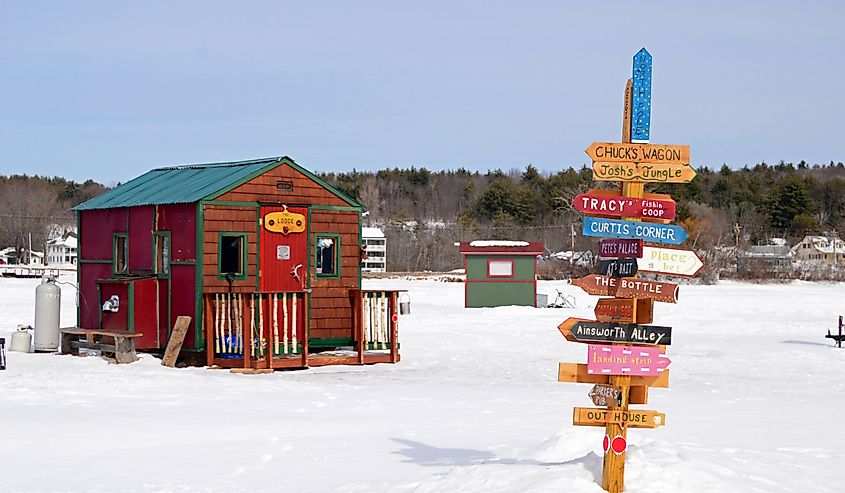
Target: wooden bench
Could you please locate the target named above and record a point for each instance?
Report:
(123, 345)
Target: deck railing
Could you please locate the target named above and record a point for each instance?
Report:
(376, 319)
(262, 325)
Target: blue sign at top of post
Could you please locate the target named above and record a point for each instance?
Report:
(641, 104)
(651, 232)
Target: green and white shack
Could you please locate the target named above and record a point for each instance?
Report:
(500, 273)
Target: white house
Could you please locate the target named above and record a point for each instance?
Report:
(373, 240)
(822, 249)
(62, 250)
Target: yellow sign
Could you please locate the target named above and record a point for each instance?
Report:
(284, 222)
(624, 152)
(650, 172)
(586, 416)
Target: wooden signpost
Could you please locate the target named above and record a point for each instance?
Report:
(670, 261)
(627, 288)
(652, 232)
(624, 373)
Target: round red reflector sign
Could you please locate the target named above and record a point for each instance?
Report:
(605, 443)
(618, 445)
(394, 318)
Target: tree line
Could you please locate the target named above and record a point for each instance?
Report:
(32, 208)
(424, 212)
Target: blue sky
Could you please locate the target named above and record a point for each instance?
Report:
(108, 90)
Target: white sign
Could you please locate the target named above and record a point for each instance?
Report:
(671, 261)
(283, 252)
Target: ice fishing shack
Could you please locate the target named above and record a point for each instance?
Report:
(500, 273)
(263, 255)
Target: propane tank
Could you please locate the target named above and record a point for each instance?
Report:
(48, 298)
(21, 340)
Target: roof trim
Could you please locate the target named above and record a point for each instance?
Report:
(290, 162)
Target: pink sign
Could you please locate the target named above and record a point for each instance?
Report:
(625, 360)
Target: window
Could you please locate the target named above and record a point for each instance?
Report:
(327, 255)
(500, 268)
(120, 264)
(231, 255)
(161, 252)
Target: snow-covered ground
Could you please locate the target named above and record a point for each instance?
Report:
(754, 405)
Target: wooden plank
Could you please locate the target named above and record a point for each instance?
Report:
(174, 343)
(651, 173)
(625, 310)
(626, 152)
(627, 288)
(577, 373)
(251, 371)
(585, 416)
(208, 317)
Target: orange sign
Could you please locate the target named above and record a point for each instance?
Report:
(284, 222)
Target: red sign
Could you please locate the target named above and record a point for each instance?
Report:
(621, 248)
(612, 203)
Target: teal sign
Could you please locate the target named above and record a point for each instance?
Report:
(641, 103)
(651, 232)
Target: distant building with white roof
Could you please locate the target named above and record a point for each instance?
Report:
(62, 250)
(373, 240)
(822, 249)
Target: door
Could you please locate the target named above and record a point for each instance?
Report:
(284, 249)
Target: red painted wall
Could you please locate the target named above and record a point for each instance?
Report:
(146, 318)
(89, 307)
(97, 228)
(141, 238)
(183, 289)
(180, 220)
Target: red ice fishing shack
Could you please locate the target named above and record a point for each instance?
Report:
(263, 255)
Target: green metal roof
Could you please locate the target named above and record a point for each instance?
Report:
(192, 183)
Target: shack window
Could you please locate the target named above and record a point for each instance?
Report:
(120, 263)
(500, 268)
(161, 253)
(231, 262)
(327, 252)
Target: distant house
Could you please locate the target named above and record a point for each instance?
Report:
(375, 244)
(62, 250)
(821, 249)
(10, 256)
(770, 258)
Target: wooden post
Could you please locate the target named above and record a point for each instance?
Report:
(358, 327)
(306, 306)
(246, 334)
(613, 473)
(268, 339)
(393, 320)
(209, 329)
